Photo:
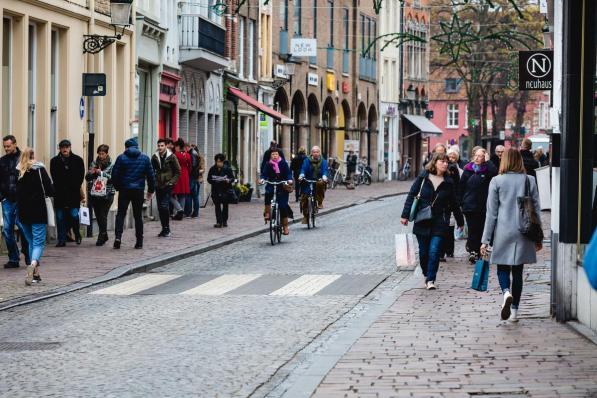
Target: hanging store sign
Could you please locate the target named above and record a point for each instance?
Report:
(535, 70)
(345, 87)
(303, 47)
(313, 79)
(280, 71)
(330, 81)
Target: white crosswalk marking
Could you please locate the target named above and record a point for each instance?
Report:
(221, 285)
(136, 285)
(306, 285)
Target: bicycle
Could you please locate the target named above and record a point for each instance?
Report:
(312, 208)
(405, 171)
(363, 174)
(275, 224)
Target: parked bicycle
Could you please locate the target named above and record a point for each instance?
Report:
(312, 208)
(363, 174)
(405, 171)
(275, 222)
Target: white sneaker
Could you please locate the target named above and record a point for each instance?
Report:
(514, 315)
(506, 306)
(430, 285)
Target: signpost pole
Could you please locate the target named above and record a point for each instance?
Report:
(90, 148)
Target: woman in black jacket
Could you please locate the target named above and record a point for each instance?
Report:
(220, 177)
(436, 189)
(474, 187)
(277, 170)
(33, 186)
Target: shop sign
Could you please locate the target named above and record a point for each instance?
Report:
(303, 47)
(280, 71)
(535, 70)
(391, 110)
(330, 81)
(345, 87)
(313, 79)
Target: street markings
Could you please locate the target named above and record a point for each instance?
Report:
(221, 285)
(275, 285)
(137, 285)
(306, 285)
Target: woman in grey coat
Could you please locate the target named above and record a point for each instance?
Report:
(511, 249)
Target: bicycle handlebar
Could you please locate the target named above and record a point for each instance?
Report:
(312, 181)
(274, 183)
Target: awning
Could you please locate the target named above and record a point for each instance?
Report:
(423, 124)
(260, 106)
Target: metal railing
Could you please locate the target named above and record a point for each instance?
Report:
(197, 32)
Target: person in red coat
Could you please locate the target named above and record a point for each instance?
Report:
(182, 189)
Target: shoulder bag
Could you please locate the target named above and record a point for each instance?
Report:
(529, 224)
(49, 204)
(415, 205)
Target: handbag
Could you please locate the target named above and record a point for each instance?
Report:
(481, 275)
(415, 205)
(99, 188)
(49, 204)
(84, 218)
(590, 261)
(461, 234)
(230, 197)
(528, 220)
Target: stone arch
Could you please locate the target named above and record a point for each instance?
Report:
(328, 128)
(282, 132)
(298, 136)
(372, 139)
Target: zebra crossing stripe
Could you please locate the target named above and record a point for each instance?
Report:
(306, 285)
(221, 285)
(137, 284)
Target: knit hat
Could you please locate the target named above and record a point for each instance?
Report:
(131, 142)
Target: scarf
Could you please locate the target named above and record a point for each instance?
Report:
(102, 164)
(316, 165)
(275, 165)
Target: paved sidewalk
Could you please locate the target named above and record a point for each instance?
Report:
(452, 343)
(64, 266)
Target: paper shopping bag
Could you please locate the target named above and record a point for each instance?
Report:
(84, 216)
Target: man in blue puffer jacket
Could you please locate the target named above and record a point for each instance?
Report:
(129, 174)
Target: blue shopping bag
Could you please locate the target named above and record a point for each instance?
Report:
(590, 261)
(481, 275)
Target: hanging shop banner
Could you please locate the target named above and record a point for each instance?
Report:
(535, 70)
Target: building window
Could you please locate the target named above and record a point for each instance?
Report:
(251, 49)
(314, 18)
(284, 15)
(331, 18)
(298, 9)
(54, 86)
(452, 85)
(241, 47)
(346, 29)
(452, 116)
(363, 35)
(6, 77)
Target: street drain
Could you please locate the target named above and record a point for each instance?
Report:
(28, 346)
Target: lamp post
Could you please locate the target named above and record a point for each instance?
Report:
(120, 17)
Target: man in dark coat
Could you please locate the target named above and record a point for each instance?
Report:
(167, 172)
(530, 163)
(295, 166)
(68, 173)
(351, 166)
(268, 154)
(129, 174)
(8, 195)
(496, 158)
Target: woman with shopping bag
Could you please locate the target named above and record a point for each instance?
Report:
(101, 191)
(511, 247)
(34, 189)
(430, 203)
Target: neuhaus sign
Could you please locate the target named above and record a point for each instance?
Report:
(535, 70)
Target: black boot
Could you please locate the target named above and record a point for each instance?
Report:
(139, 244)
(117, 243)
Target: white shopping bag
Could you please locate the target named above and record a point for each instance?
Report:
(84, 216)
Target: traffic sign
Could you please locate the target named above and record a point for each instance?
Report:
(82, 108)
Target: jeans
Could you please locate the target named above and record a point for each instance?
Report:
(101, 208)
(67, 218)
(126, 197)
(10, 214)
(191, 206)
(429, 250)
(503, 273)
(476, 223)
(163, 196)
(221, 211)
(178, 202)
(36, 236)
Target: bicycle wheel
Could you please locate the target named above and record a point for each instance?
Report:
(278, 227)
(367, 179)
(272, 225)
(313, 212)
(309, 211)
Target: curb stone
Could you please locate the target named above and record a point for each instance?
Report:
(159, 261)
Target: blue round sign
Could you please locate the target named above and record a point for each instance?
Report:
(82, 108)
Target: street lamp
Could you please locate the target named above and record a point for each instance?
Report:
(120, 16)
